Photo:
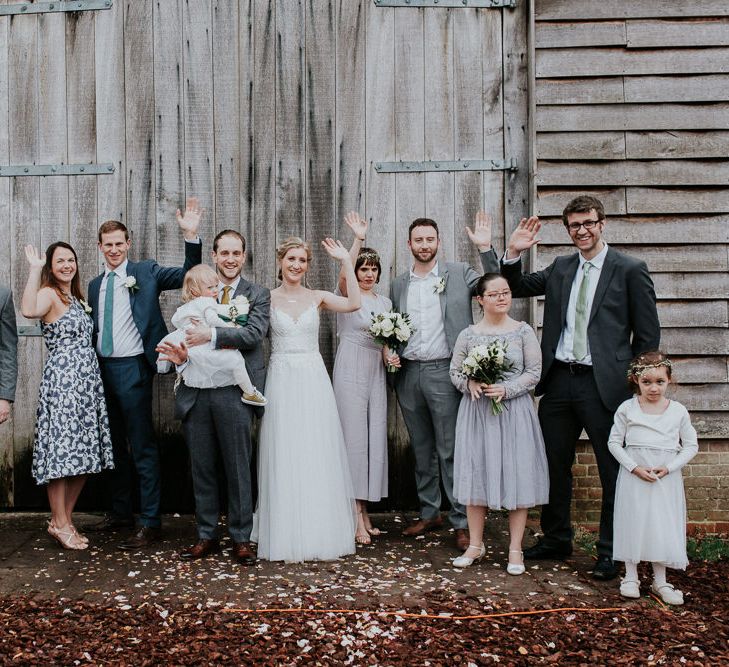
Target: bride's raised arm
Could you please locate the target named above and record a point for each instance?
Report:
(330, 301)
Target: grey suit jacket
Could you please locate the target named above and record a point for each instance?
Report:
(623, 320)
(248, 339)
(455, 300)
(8, 346)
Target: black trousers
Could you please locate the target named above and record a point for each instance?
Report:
(571, 402)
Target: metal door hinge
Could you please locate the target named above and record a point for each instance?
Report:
(52, 7)
(485, 4)
(56, 169)
(446, 165)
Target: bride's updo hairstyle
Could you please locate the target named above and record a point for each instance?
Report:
(289, 244)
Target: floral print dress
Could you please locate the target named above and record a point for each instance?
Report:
(72, 434)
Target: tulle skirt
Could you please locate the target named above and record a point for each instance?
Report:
(650, 517)
(306, 508)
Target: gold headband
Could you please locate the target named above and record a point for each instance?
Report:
(637, 368)
(368, 257)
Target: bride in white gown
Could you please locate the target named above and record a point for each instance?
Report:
(306, 508)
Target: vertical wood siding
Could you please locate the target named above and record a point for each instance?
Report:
(630, 103)
(273, 113)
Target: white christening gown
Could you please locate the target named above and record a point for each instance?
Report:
(306, 508)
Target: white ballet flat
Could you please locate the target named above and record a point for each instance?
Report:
(465, 561)
(668, 593)
(630, 588)
(515, 568)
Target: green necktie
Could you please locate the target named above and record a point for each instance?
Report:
(107, 334)
(579, 343)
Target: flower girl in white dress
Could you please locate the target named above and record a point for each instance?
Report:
(652, 439)
(209, 367)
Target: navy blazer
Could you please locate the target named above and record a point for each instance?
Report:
(152, 279)
(623, 319)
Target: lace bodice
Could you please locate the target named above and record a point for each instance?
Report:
(523, 351)
(295, 335)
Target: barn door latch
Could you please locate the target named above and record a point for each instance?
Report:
(54, 7)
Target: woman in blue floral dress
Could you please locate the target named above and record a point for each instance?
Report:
(72, 437)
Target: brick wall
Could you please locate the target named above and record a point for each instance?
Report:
(706, 480)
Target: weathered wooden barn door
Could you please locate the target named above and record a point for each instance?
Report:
(276, 113)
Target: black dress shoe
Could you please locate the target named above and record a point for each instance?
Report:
(605, 569)
(144, 536)
(200, 549)
(110, 524)
(542, 551)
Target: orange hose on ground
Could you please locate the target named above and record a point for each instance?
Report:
(530, 612)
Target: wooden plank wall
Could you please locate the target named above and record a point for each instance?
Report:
(273, 112)
(631, 103)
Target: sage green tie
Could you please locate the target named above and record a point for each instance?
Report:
(107, 333)
(579, 343)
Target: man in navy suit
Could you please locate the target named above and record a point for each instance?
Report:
(599, 313)
(128, 324)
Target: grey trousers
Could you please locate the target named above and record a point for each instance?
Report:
(429, 404)
(218, 426)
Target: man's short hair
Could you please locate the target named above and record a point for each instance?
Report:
(422, 222)
(584, 204)
(228, 232)
(111, 226)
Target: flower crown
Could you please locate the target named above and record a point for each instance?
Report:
(638, 367)
(368, 257)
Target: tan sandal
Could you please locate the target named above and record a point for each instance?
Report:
(68, 538)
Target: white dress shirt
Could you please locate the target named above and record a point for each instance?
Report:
(429, 341)
(126, 337)
(233, 288)
(567, 337)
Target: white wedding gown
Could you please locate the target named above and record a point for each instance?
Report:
(306, 508)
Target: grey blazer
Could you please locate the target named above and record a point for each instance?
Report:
(623, 320)
(248, 339)
(455, 300)
(8, 346)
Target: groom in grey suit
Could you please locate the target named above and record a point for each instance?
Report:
(437, 295)
(216, 424)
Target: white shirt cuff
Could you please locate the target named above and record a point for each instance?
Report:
(514, 260)
(213, 337)
(196, 240)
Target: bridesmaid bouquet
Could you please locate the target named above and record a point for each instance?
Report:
(488, 364)
(392, 329)
(236, 311)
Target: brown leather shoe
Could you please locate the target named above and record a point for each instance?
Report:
(421, 526)
(200, 549)
(463, 539)
(243, 554)
(110, 524)
(144, 536)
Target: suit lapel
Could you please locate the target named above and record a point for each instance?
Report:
(94, 289)
(442, 295)
(606, 274)
(132, 271)
(568, 278)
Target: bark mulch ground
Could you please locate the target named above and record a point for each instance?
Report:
(164, 631)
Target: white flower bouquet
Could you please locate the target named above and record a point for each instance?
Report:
(236, 311)
(488, 364)
(392, 329)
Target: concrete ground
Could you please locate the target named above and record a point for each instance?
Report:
(392, 572)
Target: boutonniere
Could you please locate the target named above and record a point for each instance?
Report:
(236, 311)
(440, 285)
(85, 306)
(130, 282)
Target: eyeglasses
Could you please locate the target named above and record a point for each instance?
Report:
(498, 295)
(587, 224)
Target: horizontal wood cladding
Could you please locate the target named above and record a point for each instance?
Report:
(654, 33)
(633, 89)
(590, 10)
(631, 105)
(595, 62)
(632, 172)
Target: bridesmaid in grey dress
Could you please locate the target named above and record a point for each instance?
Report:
(500, 462)
(359, 383)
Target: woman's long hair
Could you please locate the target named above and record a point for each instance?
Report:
(49, 280)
